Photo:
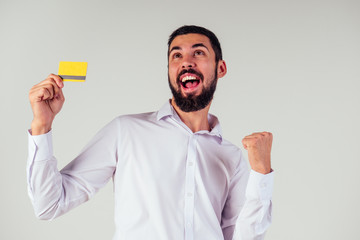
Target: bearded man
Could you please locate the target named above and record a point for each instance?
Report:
(175, 176)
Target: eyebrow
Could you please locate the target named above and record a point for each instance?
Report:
(199, 45)
(193, 46)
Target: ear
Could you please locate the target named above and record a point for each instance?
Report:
(221, 70)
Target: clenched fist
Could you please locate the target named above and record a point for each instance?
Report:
(258, 146)
(46, 99)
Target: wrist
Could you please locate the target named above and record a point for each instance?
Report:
(261, 169)
(38, 128)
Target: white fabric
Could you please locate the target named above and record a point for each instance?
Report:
(169, 183)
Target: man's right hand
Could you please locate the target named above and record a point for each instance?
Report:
(46, 99)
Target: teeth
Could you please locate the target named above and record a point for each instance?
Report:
(187, 78)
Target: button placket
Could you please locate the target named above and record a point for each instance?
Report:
(190, 188)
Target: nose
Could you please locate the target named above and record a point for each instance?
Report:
(188, 62)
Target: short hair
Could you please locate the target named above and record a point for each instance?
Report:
(187, 29)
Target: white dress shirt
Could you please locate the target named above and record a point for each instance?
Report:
(169, 183)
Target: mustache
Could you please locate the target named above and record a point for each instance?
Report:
(192, 71)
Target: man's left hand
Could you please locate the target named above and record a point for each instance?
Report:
(258, 146)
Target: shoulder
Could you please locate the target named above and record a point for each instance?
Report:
(139, 117)
(233, 155)
(228, 151)
(231, 148)
(135, 122)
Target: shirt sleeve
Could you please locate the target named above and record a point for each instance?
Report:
(247, 211)
(53, 192)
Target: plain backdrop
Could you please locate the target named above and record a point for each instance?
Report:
(293, 69)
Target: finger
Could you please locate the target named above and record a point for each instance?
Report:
(260, 135)
(246, 142)
(45, 90)
(251, 138)
(50, 83)
(257, 134)
(266, 136)
(269, 135)
(42, 92)
(251, 141)
(57, 79)
(60, 96)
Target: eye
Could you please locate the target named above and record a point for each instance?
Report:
(176, 55)
(199, 52)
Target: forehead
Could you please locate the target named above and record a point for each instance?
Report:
(188, 40)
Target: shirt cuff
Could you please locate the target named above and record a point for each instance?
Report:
(260, 186)
(42, 145)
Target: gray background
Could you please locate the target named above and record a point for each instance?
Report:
(293, 69)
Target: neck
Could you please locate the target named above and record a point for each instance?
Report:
(197, 120)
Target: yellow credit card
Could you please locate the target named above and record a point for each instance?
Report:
(73, 71)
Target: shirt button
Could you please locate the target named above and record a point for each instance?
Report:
(191, 163)
(189, 194)
(263, 185)
(189, 224)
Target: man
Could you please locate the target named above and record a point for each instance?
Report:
(175, 176)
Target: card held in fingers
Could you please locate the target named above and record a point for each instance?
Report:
(73, 71)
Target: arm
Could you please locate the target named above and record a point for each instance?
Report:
(54, 192)
(247, 211)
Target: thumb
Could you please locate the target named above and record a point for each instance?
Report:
(60, 95)
(244, 143)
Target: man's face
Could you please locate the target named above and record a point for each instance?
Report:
(192, 71)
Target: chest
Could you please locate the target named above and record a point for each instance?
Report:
(174, 164)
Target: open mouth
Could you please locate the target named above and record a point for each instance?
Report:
(190, 81)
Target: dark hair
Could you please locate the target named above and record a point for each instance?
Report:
(186, 29)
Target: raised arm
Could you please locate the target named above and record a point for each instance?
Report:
(248, 209)
(55, 192)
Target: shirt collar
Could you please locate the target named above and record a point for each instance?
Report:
(167, 110)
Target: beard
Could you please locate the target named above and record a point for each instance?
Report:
(192, 103)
